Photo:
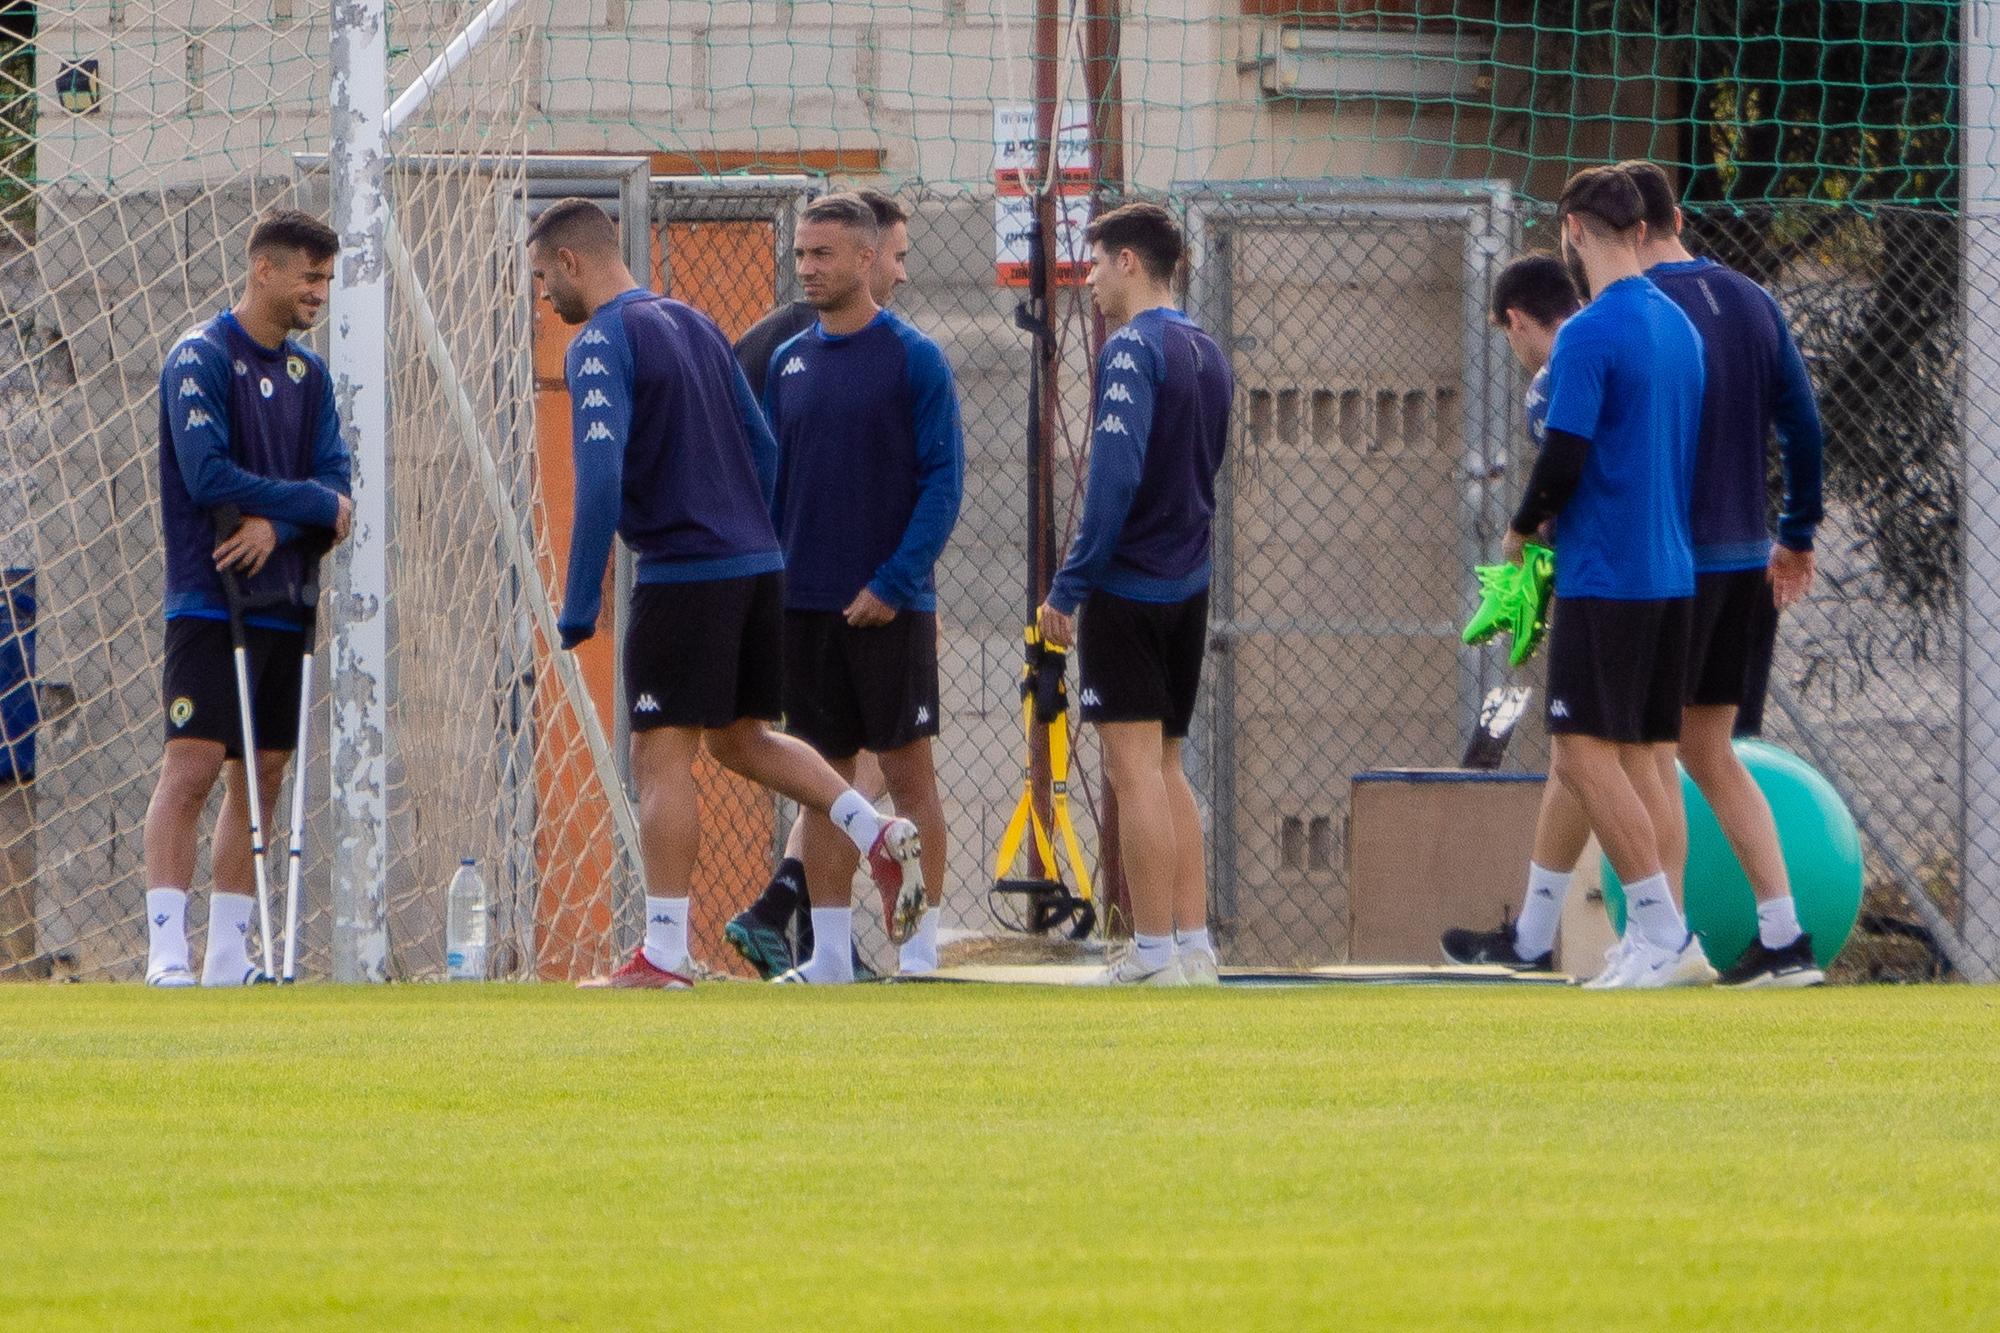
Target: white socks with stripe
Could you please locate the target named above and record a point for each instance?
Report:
(666, 933)
(853, 814)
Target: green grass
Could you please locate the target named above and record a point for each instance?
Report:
(985, 1158)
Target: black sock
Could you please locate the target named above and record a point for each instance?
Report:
(782, 896)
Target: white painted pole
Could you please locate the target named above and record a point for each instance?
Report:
(455, 53)
(358, 167)
(1979, 429)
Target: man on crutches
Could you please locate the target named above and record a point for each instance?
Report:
(254, 484)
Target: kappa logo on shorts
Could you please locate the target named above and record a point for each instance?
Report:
(647, 704)
(1091, 699)
(795, 366)
(181, 711)
(1557, 708)
(923, 716)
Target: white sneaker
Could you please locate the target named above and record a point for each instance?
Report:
(1615, 960)
(1199, 967)
(1129, 971)
(171, 976)
(225, 974)
(1654, 968)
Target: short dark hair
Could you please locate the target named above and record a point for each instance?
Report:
(575, 224)
(291, 229)
(1656, 192)
(887, 211)
(1147, 230)
(1538, 285)
(846, 208)
(1604, 195)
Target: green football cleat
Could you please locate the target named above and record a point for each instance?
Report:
(1515, 599)
(1495, 581)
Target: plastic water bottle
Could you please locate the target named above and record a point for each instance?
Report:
(465, 925)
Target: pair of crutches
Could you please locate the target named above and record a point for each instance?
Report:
(227, 519)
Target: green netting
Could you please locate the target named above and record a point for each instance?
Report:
(1380, 159)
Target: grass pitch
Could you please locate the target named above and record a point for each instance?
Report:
(998, 1158)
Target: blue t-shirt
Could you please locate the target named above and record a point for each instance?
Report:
(670, 453)
(255, 427)
(1756, 380)
(1626, 375)
(871, 466)
(1161, 424)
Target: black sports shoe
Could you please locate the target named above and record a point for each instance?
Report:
(1470, 947)
(1789, 968)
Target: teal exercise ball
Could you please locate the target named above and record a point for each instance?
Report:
(1822, 851)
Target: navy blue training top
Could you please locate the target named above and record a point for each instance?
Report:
(670, 453)
(1164, 390)
(1626, 374)
(1756, 380)
(871, 463)
(252, 426)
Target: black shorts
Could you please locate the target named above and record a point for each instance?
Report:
(1141, 661)
(848, 689)
(1731, 640)
(704, 654)
(1617, 669)
(199, 684)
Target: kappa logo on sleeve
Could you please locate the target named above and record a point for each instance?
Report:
(591, 366)
(1113, 424)
(1126, 334)
(190, 389)
(593, 338)
(595, 398)
(188, 357)
(1124, 361)
(598, 431)
(1117, 393)
(197, 418)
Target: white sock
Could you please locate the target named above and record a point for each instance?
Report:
(1193, 941)
(666, 932)
(853, 815)
(919, 952)
(1778, 922)
(227, 958)
(1541, 911)
(832, 961)
(1650, 910)
(166, 929)
(1154, 951)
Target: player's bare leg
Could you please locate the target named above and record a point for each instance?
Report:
(188, 773)
(669, 843)
(1192, 945)
(1782, 953)
(1134, 761)
(1670, 819)
(911, 776)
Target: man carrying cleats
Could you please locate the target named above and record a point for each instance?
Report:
(1139, 572)
(672, 455)
(247, 422)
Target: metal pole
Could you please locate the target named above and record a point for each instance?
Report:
(1979, 427)
(360, 361)
(454, 54)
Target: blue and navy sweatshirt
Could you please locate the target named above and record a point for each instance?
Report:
(1162, 423)
(670, 453)
(255, 427)
(871, 464)
(1756, 380)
